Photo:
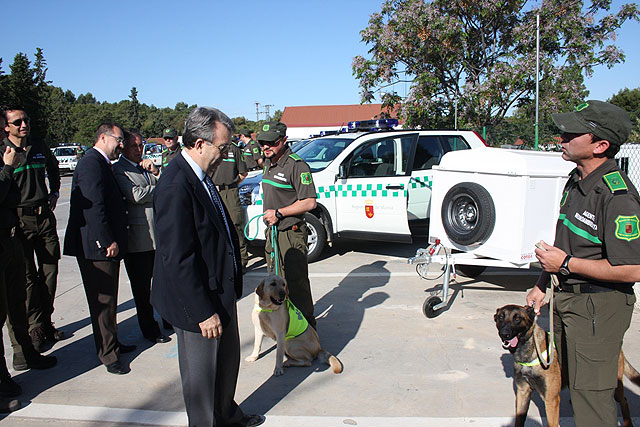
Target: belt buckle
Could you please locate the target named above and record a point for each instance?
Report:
(12, 232)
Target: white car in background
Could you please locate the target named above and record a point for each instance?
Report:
(68, 156)
(153, 152)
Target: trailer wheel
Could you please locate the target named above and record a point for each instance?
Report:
(468, 214)
(429, 303)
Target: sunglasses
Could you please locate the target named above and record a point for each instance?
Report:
(271, 143)
(18, 122)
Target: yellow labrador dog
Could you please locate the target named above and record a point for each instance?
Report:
(274, 316)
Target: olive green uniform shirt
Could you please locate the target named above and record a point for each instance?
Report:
(168, 155)
(285, 182)
(230, 167)
(252, 153)
(599, 219)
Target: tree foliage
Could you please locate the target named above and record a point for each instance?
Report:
(629, 100)
(482, 55)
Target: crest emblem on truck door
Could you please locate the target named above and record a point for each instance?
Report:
(368, 208)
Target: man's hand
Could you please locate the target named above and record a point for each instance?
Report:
(270, 217)
(112, 250)
(147, 164)
(53, 201)
(535, 298)
(211, 328)
(550, 257)
(10, 157)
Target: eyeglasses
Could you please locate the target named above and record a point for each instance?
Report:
(18, 122)
(118, 139)
(223, 147)
(271, 143)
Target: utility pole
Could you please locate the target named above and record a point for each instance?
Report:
(266, 108)
(257, 111)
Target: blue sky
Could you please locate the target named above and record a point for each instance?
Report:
(227, 54)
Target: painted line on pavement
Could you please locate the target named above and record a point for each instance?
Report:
(166, 418)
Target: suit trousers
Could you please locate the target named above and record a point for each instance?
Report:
(40, 237)
(139, 267)
(100, 280)
(589, 329)
(209, 373)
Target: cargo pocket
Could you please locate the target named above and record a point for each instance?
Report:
(596, 366)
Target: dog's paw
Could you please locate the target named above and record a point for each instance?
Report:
(278, 371)
(251, 358)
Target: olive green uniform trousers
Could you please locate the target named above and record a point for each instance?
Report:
(231, 200)
(588, 334)
(293, 266)
(40, 237)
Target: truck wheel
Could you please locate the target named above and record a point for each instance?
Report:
(317, 240)
(468, 214)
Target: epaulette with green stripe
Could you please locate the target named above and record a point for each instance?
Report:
(166, 150)
(615, 182)
(295, 157)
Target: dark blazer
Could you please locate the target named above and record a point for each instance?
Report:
(97, 215)
(194, 275)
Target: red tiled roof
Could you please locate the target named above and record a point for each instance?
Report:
(330, 115)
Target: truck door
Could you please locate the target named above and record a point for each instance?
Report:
(372, 196)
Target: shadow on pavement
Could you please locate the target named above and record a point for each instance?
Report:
(339, 315)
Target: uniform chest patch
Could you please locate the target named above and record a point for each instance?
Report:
(280, 177)
(38, 156)
(627, 227)
(305, 178)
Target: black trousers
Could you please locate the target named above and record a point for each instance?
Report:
(139, 267)
(209, 373)
(100, 280)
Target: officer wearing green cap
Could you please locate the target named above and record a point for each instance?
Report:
(596, 257)
(288, 193)
(170, 136)
(230, 173)
(252, 152)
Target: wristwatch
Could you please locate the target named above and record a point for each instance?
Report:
(279, 215)
(564, 268)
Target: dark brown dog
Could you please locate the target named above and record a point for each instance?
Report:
(517, 327)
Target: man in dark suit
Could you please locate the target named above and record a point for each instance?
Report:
(97, 236)
(137, 179)
(197, 276)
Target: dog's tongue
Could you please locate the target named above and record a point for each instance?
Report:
(513, 342)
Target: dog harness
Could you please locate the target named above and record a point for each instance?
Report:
(297, 323)
(536, 361)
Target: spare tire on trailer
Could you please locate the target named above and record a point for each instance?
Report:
(468, 214)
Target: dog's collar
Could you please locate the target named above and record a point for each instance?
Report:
(260, 309)
(536, 361)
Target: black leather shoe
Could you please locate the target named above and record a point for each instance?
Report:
(7, 406)
(9, 388)
(36, 361)
(116, 368)
(53, 334)
(168, 326)
(250, 421)
(126, 348)
(160, 339)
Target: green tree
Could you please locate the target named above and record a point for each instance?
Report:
(629, 100)
(481, 55)
(134, 108)
(58, 112)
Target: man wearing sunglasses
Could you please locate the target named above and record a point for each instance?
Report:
(596, 256)
(288, 193)
(37, 223)
(170, 136)
(97, 236)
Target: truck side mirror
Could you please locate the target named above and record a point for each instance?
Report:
(342, 172)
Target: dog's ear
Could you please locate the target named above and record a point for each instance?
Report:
(260, 290)
(495, 316)
(531, 312)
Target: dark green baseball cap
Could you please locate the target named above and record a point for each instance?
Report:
(245, 132)
(272, 131)
(170, 133)
(604, 120)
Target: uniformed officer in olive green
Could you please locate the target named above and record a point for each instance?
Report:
(252, 152)
(170, 137)
(37, 223)
(288, 193)
(230, 173)
(596, 257)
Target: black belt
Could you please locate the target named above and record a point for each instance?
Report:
(7, 232)
(590, 288)
(227, 187)
(33, 210)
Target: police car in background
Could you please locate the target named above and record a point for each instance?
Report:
(68, 156)
(372, 182)
(153, 152)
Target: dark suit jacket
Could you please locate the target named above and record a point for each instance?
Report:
(194, 275)
(97, 215)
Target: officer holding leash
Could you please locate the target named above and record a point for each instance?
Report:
(288, 193)
(596, 256)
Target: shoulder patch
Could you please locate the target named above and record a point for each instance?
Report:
(615, 182)
(295, 157)
(305, 178)
(627, 227)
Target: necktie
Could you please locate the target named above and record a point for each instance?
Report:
(217, 203)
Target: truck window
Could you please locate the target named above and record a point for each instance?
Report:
(429, 151)
(384, 157)
(454, 143)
